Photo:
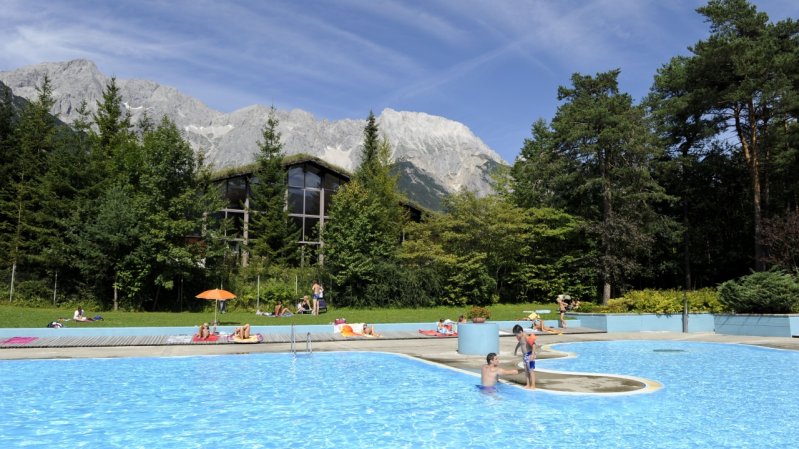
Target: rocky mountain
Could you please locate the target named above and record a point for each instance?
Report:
(17, 102)
(436, 155)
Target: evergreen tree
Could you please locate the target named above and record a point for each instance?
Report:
(134, 243)
(747, 72)
(374, 174)
(683, 130)
(167, 197)
(25, 222)
(355, 245)
(371, 141)
(595, 163)
(366, 219)
(271, 240)
(7, 126)
(8, 168)
(112, 124)
(107, 184)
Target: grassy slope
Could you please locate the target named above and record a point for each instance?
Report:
(12, 316)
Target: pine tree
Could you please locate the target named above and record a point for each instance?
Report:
(366, 220)
(24, 219)
(595, 163)
(271, 239)
(111, 123)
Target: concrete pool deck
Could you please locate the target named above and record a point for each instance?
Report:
(436, 350)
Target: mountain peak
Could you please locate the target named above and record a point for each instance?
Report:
(432, 149)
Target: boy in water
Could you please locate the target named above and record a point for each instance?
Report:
(527, 345)
(491, 372)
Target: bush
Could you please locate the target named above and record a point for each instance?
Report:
(663, 301)
(478, 312)
(34, 293)
(470, 283)
(398, 286)
(764, 292)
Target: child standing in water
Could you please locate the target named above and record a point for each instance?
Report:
(527, 345)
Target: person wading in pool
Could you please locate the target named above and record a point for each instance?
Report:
(527, 345)
(492, 371)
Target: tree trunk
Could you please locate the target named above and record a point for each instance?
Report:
(607, 207)
(750, 146)
(606, 293)
(686, 240)
(756, 192)
(11, 286)
(116, 294)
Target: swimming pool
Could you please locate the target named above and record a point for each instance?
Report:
(376, 400)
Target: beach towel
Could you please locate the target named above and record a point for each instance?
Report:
(18, 340)
(254, 338)
(347, 331)
(210, 338)
(339, 328)
(433, 333)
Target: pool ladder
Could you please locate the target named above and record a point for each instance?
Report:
(294, 342)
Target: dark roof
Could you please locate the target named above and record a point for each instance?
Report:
(288, 161)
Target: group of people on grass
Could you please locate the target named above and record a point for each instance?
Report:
(305, 305)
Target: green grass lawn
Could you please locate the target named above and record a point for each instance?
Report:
(14, 316)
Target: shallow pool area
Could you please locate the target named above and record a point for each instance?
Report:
(713, 395)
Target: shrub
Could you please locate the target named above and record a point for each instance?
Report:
(478, 312)
(764, 292)
(397, 286)
(663, 301)
(34, 293)
(470, 283)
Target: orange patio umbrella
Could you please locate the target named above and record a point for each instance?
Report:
(217, 295)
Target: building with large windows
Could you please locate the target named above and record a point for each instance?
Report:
(312, 183)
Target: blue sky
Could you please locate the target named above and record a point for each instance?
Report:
(494, 66)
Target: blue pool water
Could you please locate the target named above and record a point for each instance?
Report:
(714, 396)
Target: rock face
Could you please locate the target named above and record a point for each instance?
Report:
(436, 155)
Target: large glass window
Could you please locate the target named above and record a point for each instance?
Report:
(296, 224)
(311, 229)
(312, 202)
(328, 200)
(296, 176)
(313, 177)
(236, 224)
(251, 185)
(236, 192)
(295, 200)
(332, 181)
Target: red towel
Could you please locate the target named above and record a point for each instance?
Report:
(210, 338)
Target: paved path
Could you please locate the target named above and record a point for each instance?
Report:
(438, 350)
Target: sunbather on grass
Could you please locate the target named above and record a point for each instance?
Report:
(79, 316)
(281, 310)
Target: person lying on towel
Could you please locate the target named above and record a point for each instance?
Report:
(203, 333)
(243, 332)
(347, 331)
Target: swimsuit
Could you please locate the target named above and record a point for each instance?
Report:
(528, 362)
